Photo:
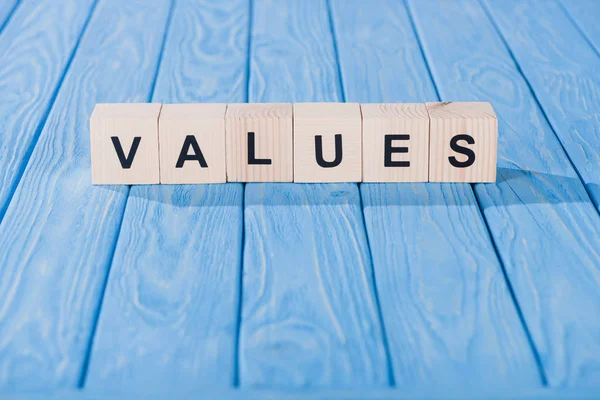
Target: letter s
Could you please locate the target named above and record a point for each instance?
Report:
(462, 150)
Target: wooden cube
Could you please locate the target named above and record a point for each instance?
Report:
(327, 142)
(259, 142)
(463, 142)
(192, 143)
(124, 144)
(395, 142)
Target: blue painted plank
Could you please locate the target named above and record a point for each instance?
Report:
(168, 320)
(430, 393)
(7, 9)
(446, 307)
(309, 317)
(544, 225)
(59, 231)
(35, 51)
(585, 15)
(562, 69)
(170, 310)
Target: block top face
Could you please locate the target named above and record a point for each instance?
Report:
(327, 110)
(193, 111)
(126, 110)
(452, 110)
(395, 110)
(259, 110)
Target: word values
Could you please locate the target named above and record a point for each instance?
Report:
(300, 142)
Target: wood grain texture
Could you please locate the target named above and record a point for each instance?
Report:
(34, 52)
(544, 225)
(169, 316)
(168, 319)
(126, 122)
(438, 393)
(327, 121)
(446, 307)
(309, 317)
(270, 125)
(584, 14)
(302, 53)
(203, 159)
(562, 69)
(476, 121)
(59, 230)
(7, 7)
(408, 125)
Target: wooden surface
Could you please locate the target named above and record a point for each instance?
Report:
(314, 394)
(6, 10)
(57, 245)
(275, 290)
(35, 53)
(561, 69)
(188, 313)
(439, 311)
(309, 316)
(542, 221)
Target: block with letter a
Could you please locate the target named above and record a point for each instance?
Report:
(192, 143)
(463, 142)
(124, 143)
(327, 142)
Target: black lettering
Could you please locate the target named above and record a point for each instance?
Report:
(389, 149)
(126, 161)
(319, 152)
(462, 150)
(190, 141)
(252, 160)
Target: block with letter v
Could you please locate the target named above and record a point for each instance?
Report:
(124, 143)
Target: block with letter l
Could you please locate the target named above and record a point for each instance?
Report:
(124, 144)
(463, 142)
(259, 142)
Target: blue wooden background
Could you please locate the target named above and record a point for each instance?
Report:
(325, 290)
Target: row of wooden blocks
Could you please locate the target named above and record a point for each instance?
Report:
(300, 142)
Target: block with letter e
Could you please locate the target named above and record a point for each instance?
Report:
(395, 142)
(124, 143)
(463, 142)
(327, 142)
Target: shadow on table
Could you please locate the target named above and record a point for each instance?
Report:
(512, 187)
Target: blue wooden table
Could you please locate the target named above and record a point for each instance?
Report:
(291, 290)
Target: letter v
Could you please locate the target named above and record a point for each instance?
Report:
(126, 161)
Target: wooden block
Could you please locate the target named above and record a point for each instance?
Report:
(327, 142)
(192, 143)
(395, 142)
(124, 143)
(259, 142)
(463, 142)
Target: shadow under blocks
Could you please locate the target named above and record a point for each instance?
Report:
(515, 184)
